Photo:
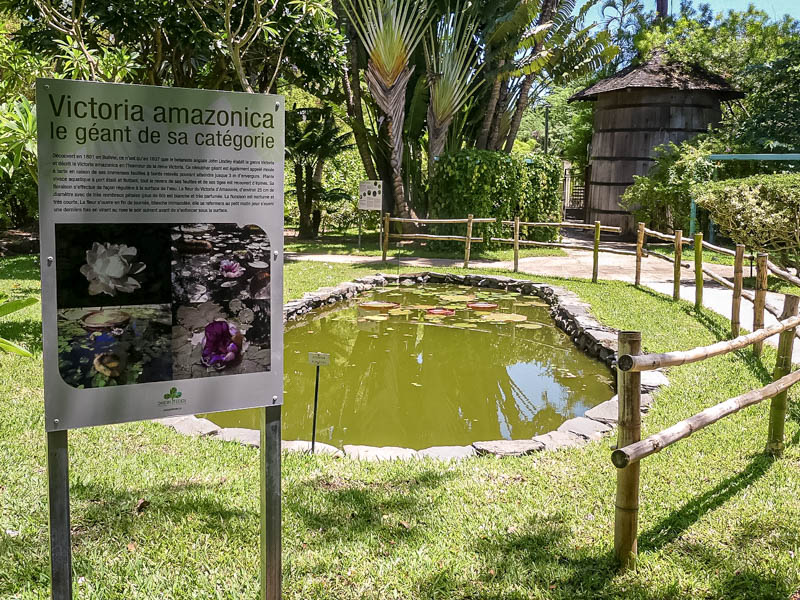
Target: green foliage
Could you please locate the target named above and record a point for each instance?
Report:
(19, 201)
(570, 125)
(495, 184)
(18, 137)
(760, 212)
(759, 56)
(662, 199)
(6, 308)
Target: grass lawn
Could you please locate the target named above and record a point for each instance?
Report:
(718, 518)
(335, 243)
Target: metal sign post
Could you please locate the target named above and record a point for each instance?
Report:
(319, 359)
(58, 488)
(271, 503)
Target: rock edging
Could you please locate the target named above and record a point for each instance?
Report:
(571, 315)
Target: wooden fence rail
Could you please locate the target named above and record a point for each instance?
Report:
(595, 248)
(622, 457)
(631, 448)
(468, 239)
(605, 228)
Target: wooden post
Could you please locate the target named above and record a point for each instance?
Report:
(676, 285)
(596, 263)
(469, 241)
(385, 235)
(639, 253)
(698, 271)
(516, 243)
(626, 514)
(760, 299)
(736, 307)
(783, 366)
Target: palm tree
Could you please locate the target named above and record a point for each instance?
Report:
(312, 138)
(450, 55)
(390, 31)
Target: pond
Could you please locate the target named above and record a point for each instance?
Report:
(401, 376)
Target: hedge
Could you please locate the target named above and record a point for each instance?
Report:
(495, 184)
(762, 212)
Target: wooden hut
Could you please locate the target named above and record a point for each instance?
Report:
(638, 109)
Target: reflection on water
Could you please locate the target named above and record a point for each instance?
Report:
(407, 378)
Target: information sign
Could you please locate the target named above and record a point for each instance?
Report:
(370, 195)
(320, 359)
(162, 239)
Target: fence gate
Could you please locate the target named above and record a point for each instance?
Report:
(574, 195)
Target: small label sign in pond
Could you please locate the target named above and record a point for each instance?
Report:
(319, 359)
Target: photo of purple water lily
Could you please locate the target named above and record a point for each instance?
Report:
(110, 269)
(222, 344)
(220, 299)
(230, 269)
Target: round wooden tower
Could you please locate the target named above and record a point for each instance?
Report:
(638, 109)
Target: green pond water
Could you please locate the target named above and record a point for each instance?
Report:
(411, 379)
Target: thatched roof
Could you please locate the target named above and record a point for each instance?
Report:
(657, 73)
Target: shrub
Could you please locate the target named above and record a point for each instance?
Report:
(663, 197)
(761, 212)
(495, 184)
(19, 203)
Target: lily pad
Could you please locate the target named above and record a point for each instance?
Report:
(378, 305)
(456, 298)
(399, 311)
(465, 325)
(529, 325)
(377, 318)
(422, 306)
(504, 317)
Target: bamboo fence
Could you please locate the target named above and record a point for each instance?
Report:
(467, 239)
(631, 448)
(595, 248)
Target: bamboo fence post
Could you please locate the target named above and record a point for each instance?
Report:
(385, 235)
(639, 253)
(596, 263)
(516, 243)
(783, 366)
(738, 274)
(698, 271)
(469, 241)
(626, 512)
(760, 299)
(676, 285)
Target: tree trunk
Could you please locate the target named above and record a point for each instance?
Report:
(437, 138)
(316, 188)
(497, 122)
(522, 104)
(545, 15)
(303, 204)
(483, 136)
(351, 84)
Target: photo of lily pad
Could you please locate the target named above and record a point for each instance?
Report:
(220, 299)
(103, 346)
(112, 264)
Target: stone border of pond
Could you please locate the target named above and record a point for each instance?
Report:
(571, 315)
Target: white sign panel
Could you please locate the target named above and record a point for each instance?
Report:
(320, 359)
(370, 195)
(162, 241)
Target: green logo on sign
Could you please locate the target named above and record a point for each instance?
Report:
(173, 394)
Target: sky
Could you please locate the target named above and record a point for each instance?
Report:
(774, 8)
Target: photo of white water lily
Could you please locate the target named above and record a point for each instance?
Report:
(112, 264)
(110, 268)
